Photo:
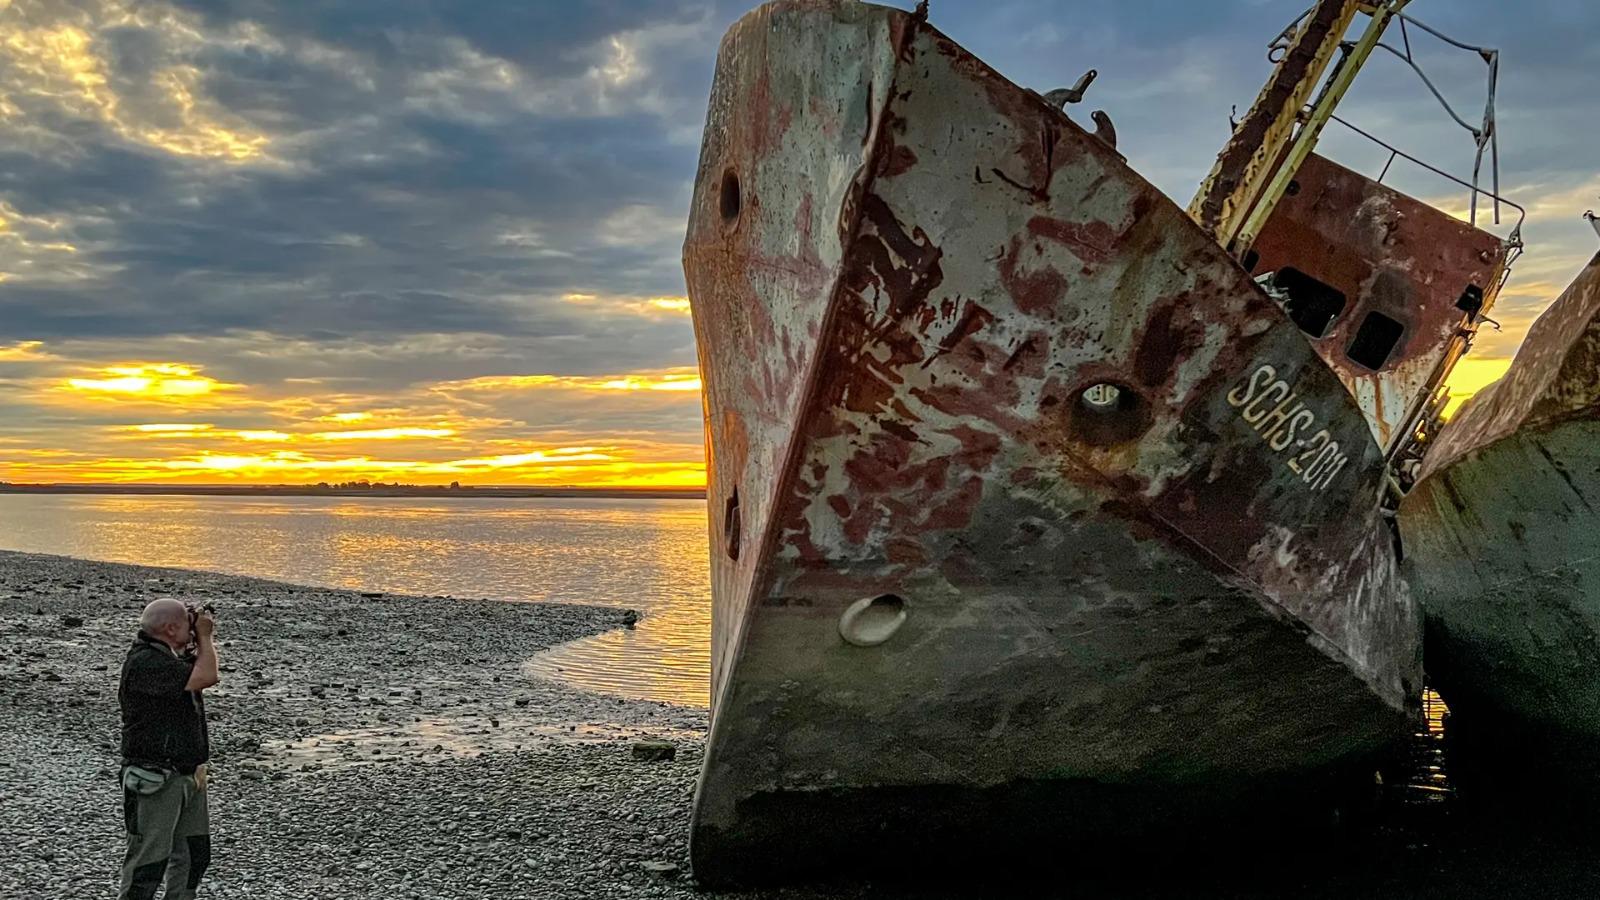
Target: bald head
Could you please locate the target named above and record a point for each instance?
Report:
(167, 620)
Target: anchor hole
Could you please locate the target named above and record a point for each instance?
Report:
(1108, 413)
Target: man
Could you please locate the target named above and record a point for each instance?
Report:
(164, 750)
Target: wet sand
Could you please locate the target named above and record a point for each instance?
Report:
(398, 747)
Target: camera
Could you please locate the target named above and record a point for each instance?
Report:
(195, 609)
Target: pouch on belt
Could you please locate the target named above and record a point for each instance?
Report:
(143, 781)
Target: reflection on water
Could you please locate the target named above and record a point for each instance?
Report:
(648, 555)
(1429, 783)
(440, 737)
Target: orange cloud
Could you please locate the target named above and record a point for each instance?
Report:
(167, 428)
(645, 306)
(160, 382)
(384, 434)
(23, 351)
(686, 378)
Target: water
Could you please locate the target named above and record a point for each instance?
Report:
(648, 555)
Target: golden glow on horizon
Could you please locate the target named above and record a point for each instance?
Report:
(1471, 376)
(595, 467)
(468, 431)
(589, 466)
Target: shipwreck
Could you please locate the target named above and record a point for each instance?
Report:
(1042, 506)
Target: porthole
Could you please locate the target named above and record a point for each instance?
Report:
(732, 199)
(732, 527)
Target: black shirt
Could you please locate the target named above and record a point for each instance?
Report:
(162, 724)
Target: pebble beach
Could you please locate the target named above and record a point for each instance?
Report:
(362, 745)
(386, 746)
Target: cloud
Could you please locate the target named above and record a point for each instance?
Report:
(167, 428)
(23, 351)
(147, 382)
(58, 64)
(618, 427)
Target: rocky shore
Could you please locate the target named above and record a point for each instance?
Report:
(363, 745)
(383, 746)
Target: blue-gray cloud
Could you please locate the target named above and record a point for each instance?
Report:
(287, 189)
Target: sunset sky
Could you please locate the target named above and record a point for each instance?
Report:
(286, 242)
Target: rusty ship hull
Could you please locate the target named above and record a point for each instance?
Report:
(1024, 497)
(1503, 544)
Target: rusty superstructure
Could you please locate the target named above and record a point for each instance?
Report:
(1390, 290)
(1031, 497)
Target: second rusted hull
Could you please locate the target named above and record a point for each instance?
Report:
(914, 286)
(1503, 544)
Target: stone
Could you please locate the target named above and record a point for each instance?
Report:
(660, 868)
(654, 751)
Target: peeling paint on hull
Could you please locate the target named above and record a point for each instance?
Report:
(1503, 540)
(957, 355)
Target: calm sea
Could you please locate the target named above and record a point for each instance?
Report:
(648, 555)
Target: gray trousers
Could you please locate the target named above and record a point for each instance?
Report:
(169, 837)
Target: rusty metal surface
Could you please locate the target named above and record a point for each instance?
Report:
(1553, 377)
(763, 273)
(1257, 144)
(926, 268)
(1391, 254)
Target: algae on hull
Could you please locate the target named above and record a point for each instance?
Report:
(1503, 539)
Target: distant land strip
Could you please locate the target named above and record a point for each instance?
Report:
(376, 490)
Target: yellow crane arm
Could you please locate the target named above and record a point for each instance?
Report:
(1266, 150)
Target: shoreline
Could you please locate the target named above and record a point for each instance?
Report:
(431, 492)
(362, 745)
